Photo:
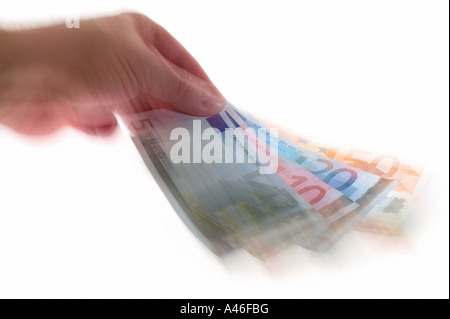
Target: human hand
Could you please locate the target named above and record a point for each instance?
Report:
(55, 76)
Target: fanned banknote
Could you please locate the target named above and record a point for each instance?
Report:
(328, 202)
(388, 216)
(238, 184)
(227, 205)
(360, 186)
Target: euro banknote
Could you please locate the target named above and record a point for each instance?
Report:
(364, 188)
(367, 190)
(328, 202)
(388, 216)
(238, 184)
(228, 206)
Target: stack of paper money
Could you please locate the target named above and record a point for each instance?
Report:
(240, 184)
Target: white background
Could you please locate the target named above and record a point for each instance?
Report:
(82, 217)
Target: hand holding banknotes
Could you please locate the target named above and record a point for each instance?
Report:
(56, 76)
(235, 182)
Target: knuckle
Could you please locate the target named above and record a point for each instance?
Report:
(141, 19)
(138, 19)
(136, 16)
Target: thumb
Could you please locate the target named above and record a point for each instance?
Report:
(182, 89)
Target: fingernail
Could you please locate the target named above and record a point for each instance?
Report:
(213, 103)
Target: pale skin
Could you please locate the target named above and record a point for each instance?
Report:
(55, 76)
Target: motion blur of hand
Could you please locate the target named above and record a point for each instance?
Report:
(55, 76)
